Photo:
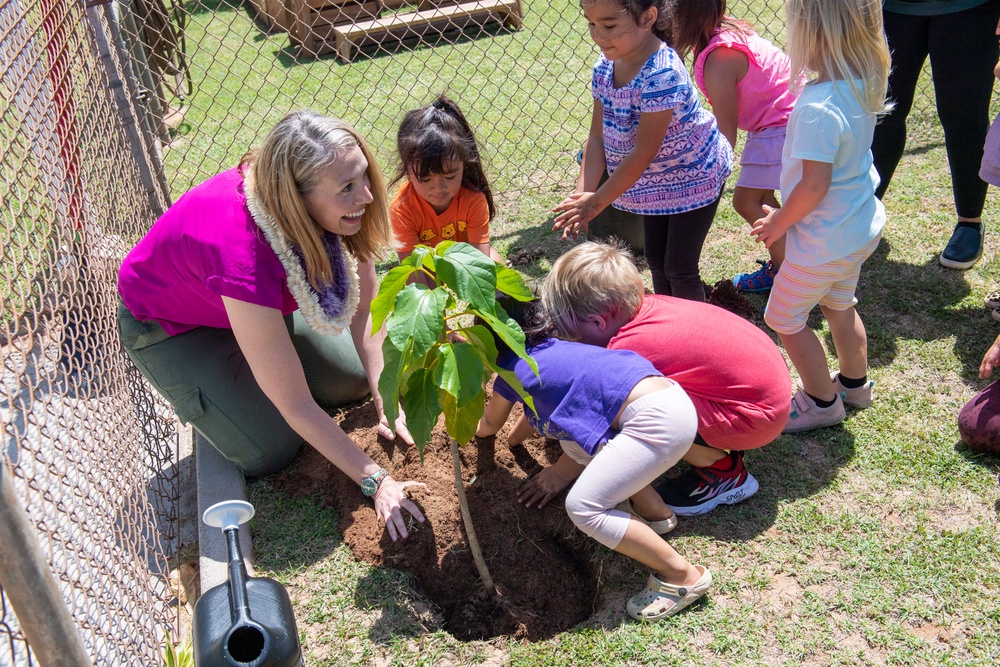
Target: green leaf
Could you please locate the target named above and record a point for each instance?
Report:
(482, 338)
(461, 421)
(422, 256)
(509, 332)
(389, 381)
(515, 384)
(420, 401)
(459, 372)
(440, 248)
(418, 316)
(390, 286)
(471, 274)
(511, 283)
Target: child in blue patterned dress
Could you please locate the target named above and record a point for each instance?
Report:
(666, 159)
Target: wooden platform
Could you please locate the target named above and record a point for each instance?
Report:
(323, 27)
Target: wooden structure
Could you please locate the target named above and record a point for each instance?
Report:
(318, 27)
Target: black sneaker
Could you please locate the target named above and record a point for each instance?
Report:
(965, 246)
(701, 490)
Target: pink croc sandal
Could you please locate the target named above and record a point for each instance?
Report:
(660, 599)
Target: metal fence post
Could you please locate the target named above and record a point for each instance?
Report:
(28, 583)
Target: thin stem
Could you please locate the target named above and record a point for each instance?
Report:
(470, 531)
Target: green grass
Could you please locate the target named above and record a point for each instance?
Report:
(873, 543)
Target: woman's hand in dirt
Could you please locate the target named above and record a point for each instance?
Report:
(401, 430)
(390, 500)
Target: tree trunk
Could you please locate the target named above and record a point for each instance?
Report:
(470, 531)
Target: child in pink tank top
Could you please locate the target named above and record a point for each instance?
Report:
(745, 78)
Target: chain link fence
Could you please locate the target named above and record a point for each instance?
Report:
(91, 448)
(113, 107)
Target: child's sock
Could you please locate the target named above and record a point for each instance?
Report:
(821, 403)
(724, 464)
(851, 383)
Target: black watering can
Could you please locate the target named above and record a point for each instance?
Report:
(248, 621)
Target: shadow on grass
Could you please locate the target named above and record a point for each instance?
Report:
(906, 301)
(402, 612)
(990, 462)
(791, 467)
(290, 533)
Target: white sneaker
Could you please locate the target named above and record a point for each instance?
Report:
(806, 415)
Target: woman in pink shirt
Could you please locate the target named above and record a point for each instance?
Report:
(234, 304)
(745, 79)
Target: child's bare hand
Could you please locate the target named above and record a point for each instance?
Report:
(542, 488)
(765, 230)
(990, 360)
(577, 212)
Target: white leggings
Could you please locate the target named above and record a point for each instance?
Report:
(656, 431)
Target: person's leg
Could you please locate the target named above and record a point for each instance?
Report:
(848, 331)
(749, 202)
(979, 421)
(655, 230)
(907, 36)
(648, 504)
(797, 289)
(688, 231)
(702, 456)
(809, 359)
(656, 431)
(331, 364)
(963, 49)
(204, 376)
(850, 339)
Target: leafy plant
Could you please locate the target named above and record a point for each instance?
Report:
(181, 655)
(427, 369)
(436, 364)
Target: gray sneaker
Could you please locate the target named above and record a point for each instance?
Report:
(859, 397)
(806, 415)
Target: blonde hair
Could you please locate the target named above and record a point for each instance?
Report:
(842, 39)
(288, 165)
(590, 279)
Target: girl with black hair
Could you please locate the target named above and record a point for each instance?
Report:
(446, 196)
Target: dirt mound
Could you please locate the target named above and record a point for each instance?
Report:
(541, 564)
(725, 295)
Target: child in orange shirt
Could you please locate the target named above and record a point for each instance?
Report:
(446, 196)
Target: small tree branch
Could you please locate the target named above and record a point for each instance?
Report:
(470, 531)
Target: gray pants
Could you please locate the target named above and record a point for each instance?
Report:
(206, 379)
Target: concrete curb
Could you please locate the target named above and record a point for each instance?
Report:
(218, 480)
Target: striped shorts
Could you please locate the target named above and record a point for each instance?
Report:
(797, 289)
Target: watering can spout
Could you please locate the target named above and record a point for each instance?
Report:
(247, 621)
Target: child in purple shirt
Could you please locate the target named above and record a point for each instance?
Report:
(621, 425)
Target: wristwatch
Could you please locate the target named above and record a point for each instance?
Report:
(369, 485)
